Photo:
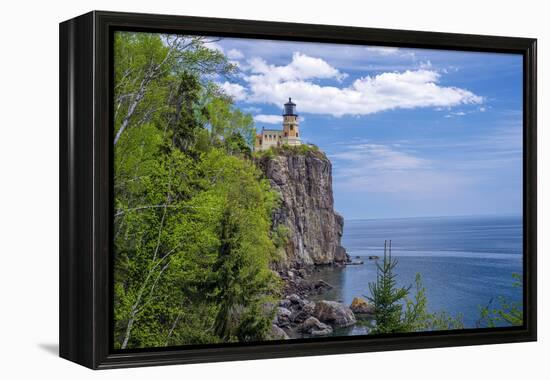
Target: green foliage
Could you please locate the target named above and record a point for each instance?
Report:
(192, 229)
(155, 74)
(241, 273)
(227, 122)
(235, 144)
(280, 235)
(507, 313)
(387, 298)
(286, 149)
(264, 154)
(395, 311)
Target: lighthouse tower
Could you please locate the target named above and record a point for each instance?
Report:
(290, 135)
(291, 130)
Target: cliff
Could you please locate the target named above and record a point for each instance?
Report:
(303, 178)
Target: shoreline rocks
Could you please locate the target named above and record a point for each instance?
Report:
(315, 327)
(277, 333)
(334, 313)
(297, 316)
(360, 306)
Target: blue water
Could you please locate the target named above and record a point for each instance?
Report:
(465, 262)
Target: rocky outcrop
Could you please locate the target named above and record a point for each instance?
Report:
(301, 318)
(314, 327)
(361, 306)
(334, 313)
(282, 316)
(303, 178)
(277, 333)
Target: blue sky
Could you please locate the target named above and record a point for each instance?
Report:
(410, 132)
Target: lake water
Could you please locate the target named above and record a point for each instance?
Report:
(465, 262)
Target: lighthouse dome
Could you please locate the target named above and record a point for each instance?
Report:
(290, 108)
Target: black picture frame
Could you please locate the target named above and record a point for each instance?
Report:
(86, 154)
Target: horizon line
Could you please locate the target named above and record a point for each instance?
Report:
(438, 216)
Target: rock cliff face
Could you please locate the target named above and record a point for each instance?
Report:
(304, 181)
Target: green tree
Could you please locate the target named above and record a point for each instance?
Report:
(148, 70)
(226, 122)
(241, 280)
(386, 297)
(396, 311)
(507, 313)
(192, 217)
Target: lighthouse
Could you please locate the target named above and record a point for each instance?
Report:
(290, 135)
(290, 124)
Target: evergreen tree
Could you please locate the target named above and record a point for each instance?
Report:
(396, 311)
(386, 297)
(192, 227)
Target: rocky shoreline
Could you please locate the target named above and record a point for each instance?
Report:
(297, 316)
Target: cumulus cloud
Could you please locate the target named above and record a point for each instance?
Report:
(366, 95)
(235, 54)
(235, 90)
(268, 119)
(302, 67)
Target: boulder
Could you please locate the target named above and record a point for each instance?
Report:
(315, 327)
(285, 303)
(361, 306)
(294, 299)
(309, 307)
(282, 317)
(277, 333)
(334, 313)
(300, 314)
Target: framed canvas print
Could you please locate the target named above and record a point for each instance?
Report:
(237, 189)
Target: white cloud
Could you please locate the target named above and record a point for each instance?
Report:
(429, 168)
(426, 65)
(379, 168)
(235, 54)
(252, 109)
(235, 90)
(214, 46)
(380, 157)
(302, 67)
(317, 87)
(459, 113)
(391, 90)
(268, 119)
(366, 95)
(383, 50)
